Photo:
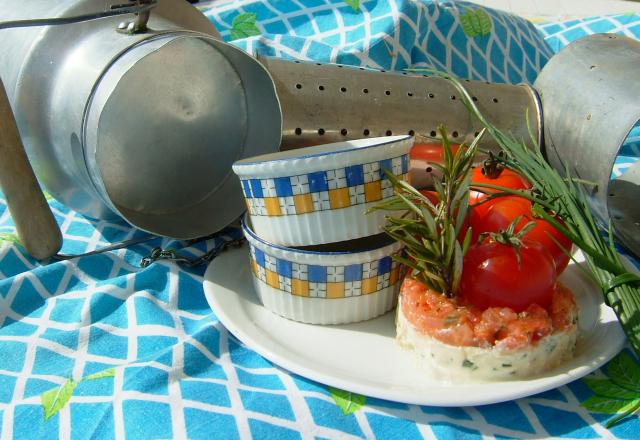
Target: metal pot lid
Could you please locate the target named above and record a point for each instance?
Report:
(164, 126)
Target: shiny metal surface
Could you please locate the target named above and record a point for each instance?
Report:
(144, 126)
(324, 103)
(590, 94)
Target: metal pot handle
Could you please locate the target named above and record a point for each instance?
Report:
(35, 224)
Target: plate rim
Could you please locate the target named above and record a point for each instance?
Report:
(296, 364)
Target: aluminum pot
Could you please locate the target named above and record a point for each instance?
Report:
(145, 125)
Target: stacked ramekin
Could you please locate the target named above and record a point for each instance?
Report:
(316, 255)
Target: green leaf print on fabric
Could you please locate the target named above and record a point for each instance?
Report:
(10, 237)
(355, 4)
(619, 394)
(347, 401)
(55, 399)
(476, 23)
(244, 25)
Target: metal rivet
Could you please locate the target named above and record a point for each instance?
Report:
(343, 132)
(298, 131)
(320, 131)
(366, 132)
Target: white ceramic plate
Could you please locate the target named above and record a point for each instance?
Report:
(364, 357)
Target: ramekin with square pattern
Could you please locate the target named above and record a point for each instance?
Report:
(320, 194)
(317, 286)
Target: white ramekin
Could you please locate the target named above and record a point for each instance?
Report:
(324, 287)
(320, 194)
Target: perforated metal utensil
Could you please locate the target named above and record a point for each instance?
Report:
(136, 118)
(591, 100)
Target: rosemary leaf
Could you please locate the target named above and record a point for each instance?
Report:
(430, 231)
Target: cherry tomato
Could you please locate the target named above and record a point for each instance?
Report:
(541, 234)
(433, 198)
(429, 152)
(422, 156)
(492, 276)
(505, 209)
(500, 214)
(506, 178)
(431, 195)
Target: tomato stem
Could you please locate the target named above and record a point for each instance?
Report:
(492, 167)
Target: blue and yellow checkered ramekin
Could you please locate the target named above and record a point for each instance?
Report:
(320, 194)
(326, 287)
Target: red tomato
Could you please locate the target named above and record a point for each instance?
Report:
(431, 195)
(505, 209)
(492, 277)
(507, 178)
(422, 156)
(499, 215)
(433, 198)
(541, 234)
(429, 152)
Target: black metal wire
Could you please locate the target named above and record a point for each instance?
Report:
(112, 247)
(172, 255)
(122, 9)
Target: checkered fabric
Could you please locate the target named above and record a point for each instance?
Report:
(118, 351)
(323, 190)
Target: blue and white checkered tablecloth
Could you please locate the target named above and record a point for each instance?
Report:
(114, 350)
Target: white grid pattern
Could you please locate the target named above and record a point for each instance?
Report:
(303, 421)
(320, 200)
(299, 271)
(356, 195)
(299, 184)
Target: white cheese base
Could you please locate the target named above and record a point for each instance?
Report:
(454, 363)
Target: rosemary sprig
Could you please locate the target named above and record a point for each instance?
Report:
(568, 198)
(430, 231)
